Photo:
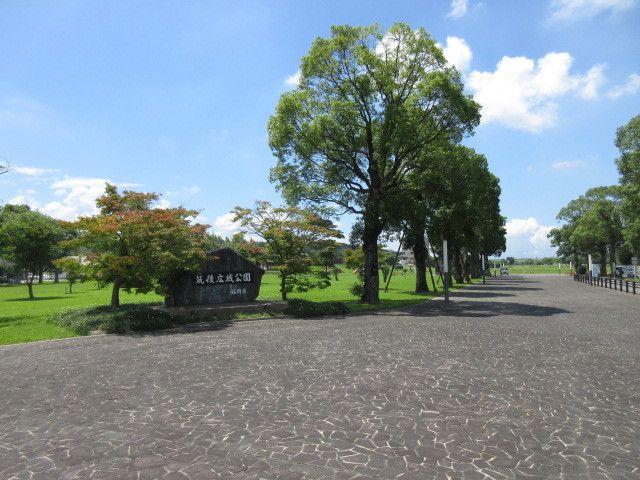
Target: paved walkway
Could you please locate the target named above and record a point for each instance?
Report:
(525, 377)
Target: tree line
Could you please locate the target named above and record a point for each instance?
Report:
(373, 129)
(605, 220)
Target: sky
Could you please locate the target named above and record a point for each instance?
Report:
(174, 97)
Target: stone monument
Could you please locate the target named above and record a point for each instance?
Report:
(225, 278)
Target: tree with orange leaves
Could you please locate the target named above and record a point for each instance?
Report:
(135, 246)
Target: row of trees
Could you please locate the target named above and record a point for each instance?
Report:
(373, 129)
(132, 246)
(605, 221)
(128, 244)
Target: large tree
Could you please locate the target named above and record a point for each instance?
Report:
(628, 142)
(367, 106)
(135, 246)
(592, 224)
(29, 239)
(294, 243)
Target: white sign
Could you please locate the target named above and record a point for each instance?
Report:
(625, 271)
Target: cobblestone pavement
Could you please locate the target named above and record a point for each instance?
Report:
(525, 377)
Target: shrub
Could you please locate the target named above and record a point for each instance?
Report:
(582, 270)
(357, 290)
(126, 318)
(306, 309)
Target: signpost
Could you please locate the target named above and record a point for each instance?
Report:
(445, 268)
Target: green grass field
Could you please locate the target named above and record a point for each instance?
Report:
(22, 320)
(533, 269)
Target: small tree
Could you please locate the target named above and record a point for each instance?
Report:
(72, 267)
(30, 239)
(138, 247)
(293, 239)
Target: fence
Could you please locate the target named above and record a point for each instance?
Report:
(606, 282)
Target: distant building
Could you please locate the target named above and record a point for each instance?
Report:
(406, 258)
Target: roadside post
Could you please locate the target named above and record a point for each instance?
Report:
(445, 268)
(483, 280)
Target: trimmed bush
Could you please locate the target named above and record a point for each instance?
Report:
(126, 318)
(306, 309)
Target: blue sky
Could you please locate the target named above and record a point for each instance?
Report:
(174, 97)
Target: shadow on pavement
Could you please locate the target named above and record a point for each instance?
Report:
(480, 294)
(493, 286)
(460, 308)
(212, 326)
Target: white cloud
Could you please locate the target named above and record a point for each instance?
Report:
(588, 85)
(519, 226)
(78, 197)
(568, 165)
(630, 88)
(458, 8)
(458, 53)
(527, 238)
(225, 226)
(25, 197)
(520, 93)
(539, 239)
(34, 171)
(293, 80)
(162, 203)
(575, 9)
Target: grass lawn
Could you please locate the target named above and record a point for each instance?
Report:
(22, 320)
(532, 269)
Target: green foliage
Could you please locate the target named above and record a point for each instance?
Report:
(628, 142)
(22, 320)
(294, 239)
(593, 224)
(307, 309)
(368, 104)
(29, 239)
(134, 246)
(136, 317)
(357, 290)
(73, 267)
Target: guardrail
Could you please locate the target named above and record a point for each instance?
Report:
(606, 282)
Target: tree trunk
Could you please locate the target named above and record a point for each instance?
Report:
(457, 264)
(115, 293)
(603, 261)
(40, 277)
(283, 286)
(372, 230)
(433, 282)
(612, 259)
(56, 276)
(30, 287)
(466, 268)
(371, 292)
(420, 257)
